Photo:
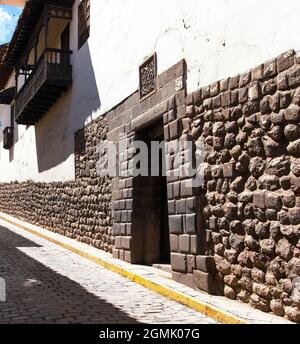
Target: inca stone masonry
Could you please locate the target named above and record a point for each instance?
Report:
(239, 234)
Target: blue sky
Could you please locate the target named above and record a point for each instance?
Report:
(8, 19)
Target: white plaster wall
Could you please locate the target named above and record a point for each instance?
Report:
(218, 38)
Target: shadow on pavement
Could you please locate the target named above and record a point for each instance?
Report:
(35, 294)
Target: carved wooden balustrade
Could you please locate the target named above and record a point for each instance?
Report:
(44, 85)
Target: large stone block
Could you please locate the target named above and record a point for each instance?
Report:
(118, 242)
(133, 257)
(207, 282)
(181, 206)
(273, 201)
(292, 114)
(190, 223)
(228, 170)
(179, 262)
(270, 69)
(294, 216)
(194, 244)
(184, 278)
(174, 243)
(225, 99)
(285, 61)
(205, 264)
(259, 199)
(184, 243)
(191, 205)
(294, 76)
(176, 224)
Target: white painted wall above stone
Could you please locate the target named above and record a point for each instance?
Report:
(218, 39)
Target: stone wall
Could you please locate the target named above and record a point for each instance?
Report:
(251, 199)
(239, 234)
(80, 209)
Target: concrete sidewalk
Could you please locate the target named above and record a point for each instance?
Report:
(219, 308)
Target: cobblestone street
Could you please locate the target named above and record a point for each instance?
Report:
(48, 284)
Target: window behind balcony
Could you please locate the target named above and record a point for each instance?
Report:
(83, 22)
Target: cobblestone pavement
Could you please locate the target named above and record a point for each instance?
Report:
(48, 284)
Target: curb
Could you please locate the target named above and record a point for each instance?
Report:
(191, 302)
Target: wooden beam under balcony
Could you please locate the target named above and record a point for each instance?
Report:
(7, 95)
(47, 82)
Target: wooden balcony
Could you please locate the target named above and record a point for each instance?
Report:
(43, 87)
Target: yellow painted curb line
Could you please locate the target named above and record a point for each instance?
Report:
(202, 307)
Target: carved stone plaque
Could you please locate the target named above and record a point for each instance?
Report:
(148, 77)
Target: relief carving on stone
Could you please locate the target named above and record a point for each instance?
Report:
(148, 77)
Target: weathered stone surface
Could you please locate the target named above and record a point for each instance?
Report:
(260, 261)
(267, 246)
(292, 114)
(289, 199)
(254, 91)
(179, 262)
(285, 61)
(257, 166)
(294, 216)
(79, 209)
(282, 82)
(277, 307)
(259, 303)
(277, 267)
(279, 166)
(293, 268)
(231, 280)
(268, 182)
(262, 290)
(228, 170)
(207, 282)
(245, 259)
(231, 256)
(296, 167)
(229, 292)
(237, 242)
(223, 266)
(238, 184)
(255, 147)
(285, 182)
(273, 201)
(294, 77)
(293, 314)
(270, 279)
(294, 147)
(246, 284)
(292, 132)
(262, 230)
(205, 264)
(296, 295)
(243, 296)
(251, 243)
(276, 133)
(270, 146)
(284, 249)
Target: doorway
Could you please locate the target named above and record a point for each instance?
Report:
(152, 200)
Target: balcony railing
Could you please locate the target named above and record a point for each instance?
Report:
(44, 85)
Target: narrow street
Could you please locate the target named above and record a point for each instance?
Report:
(48, 284)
